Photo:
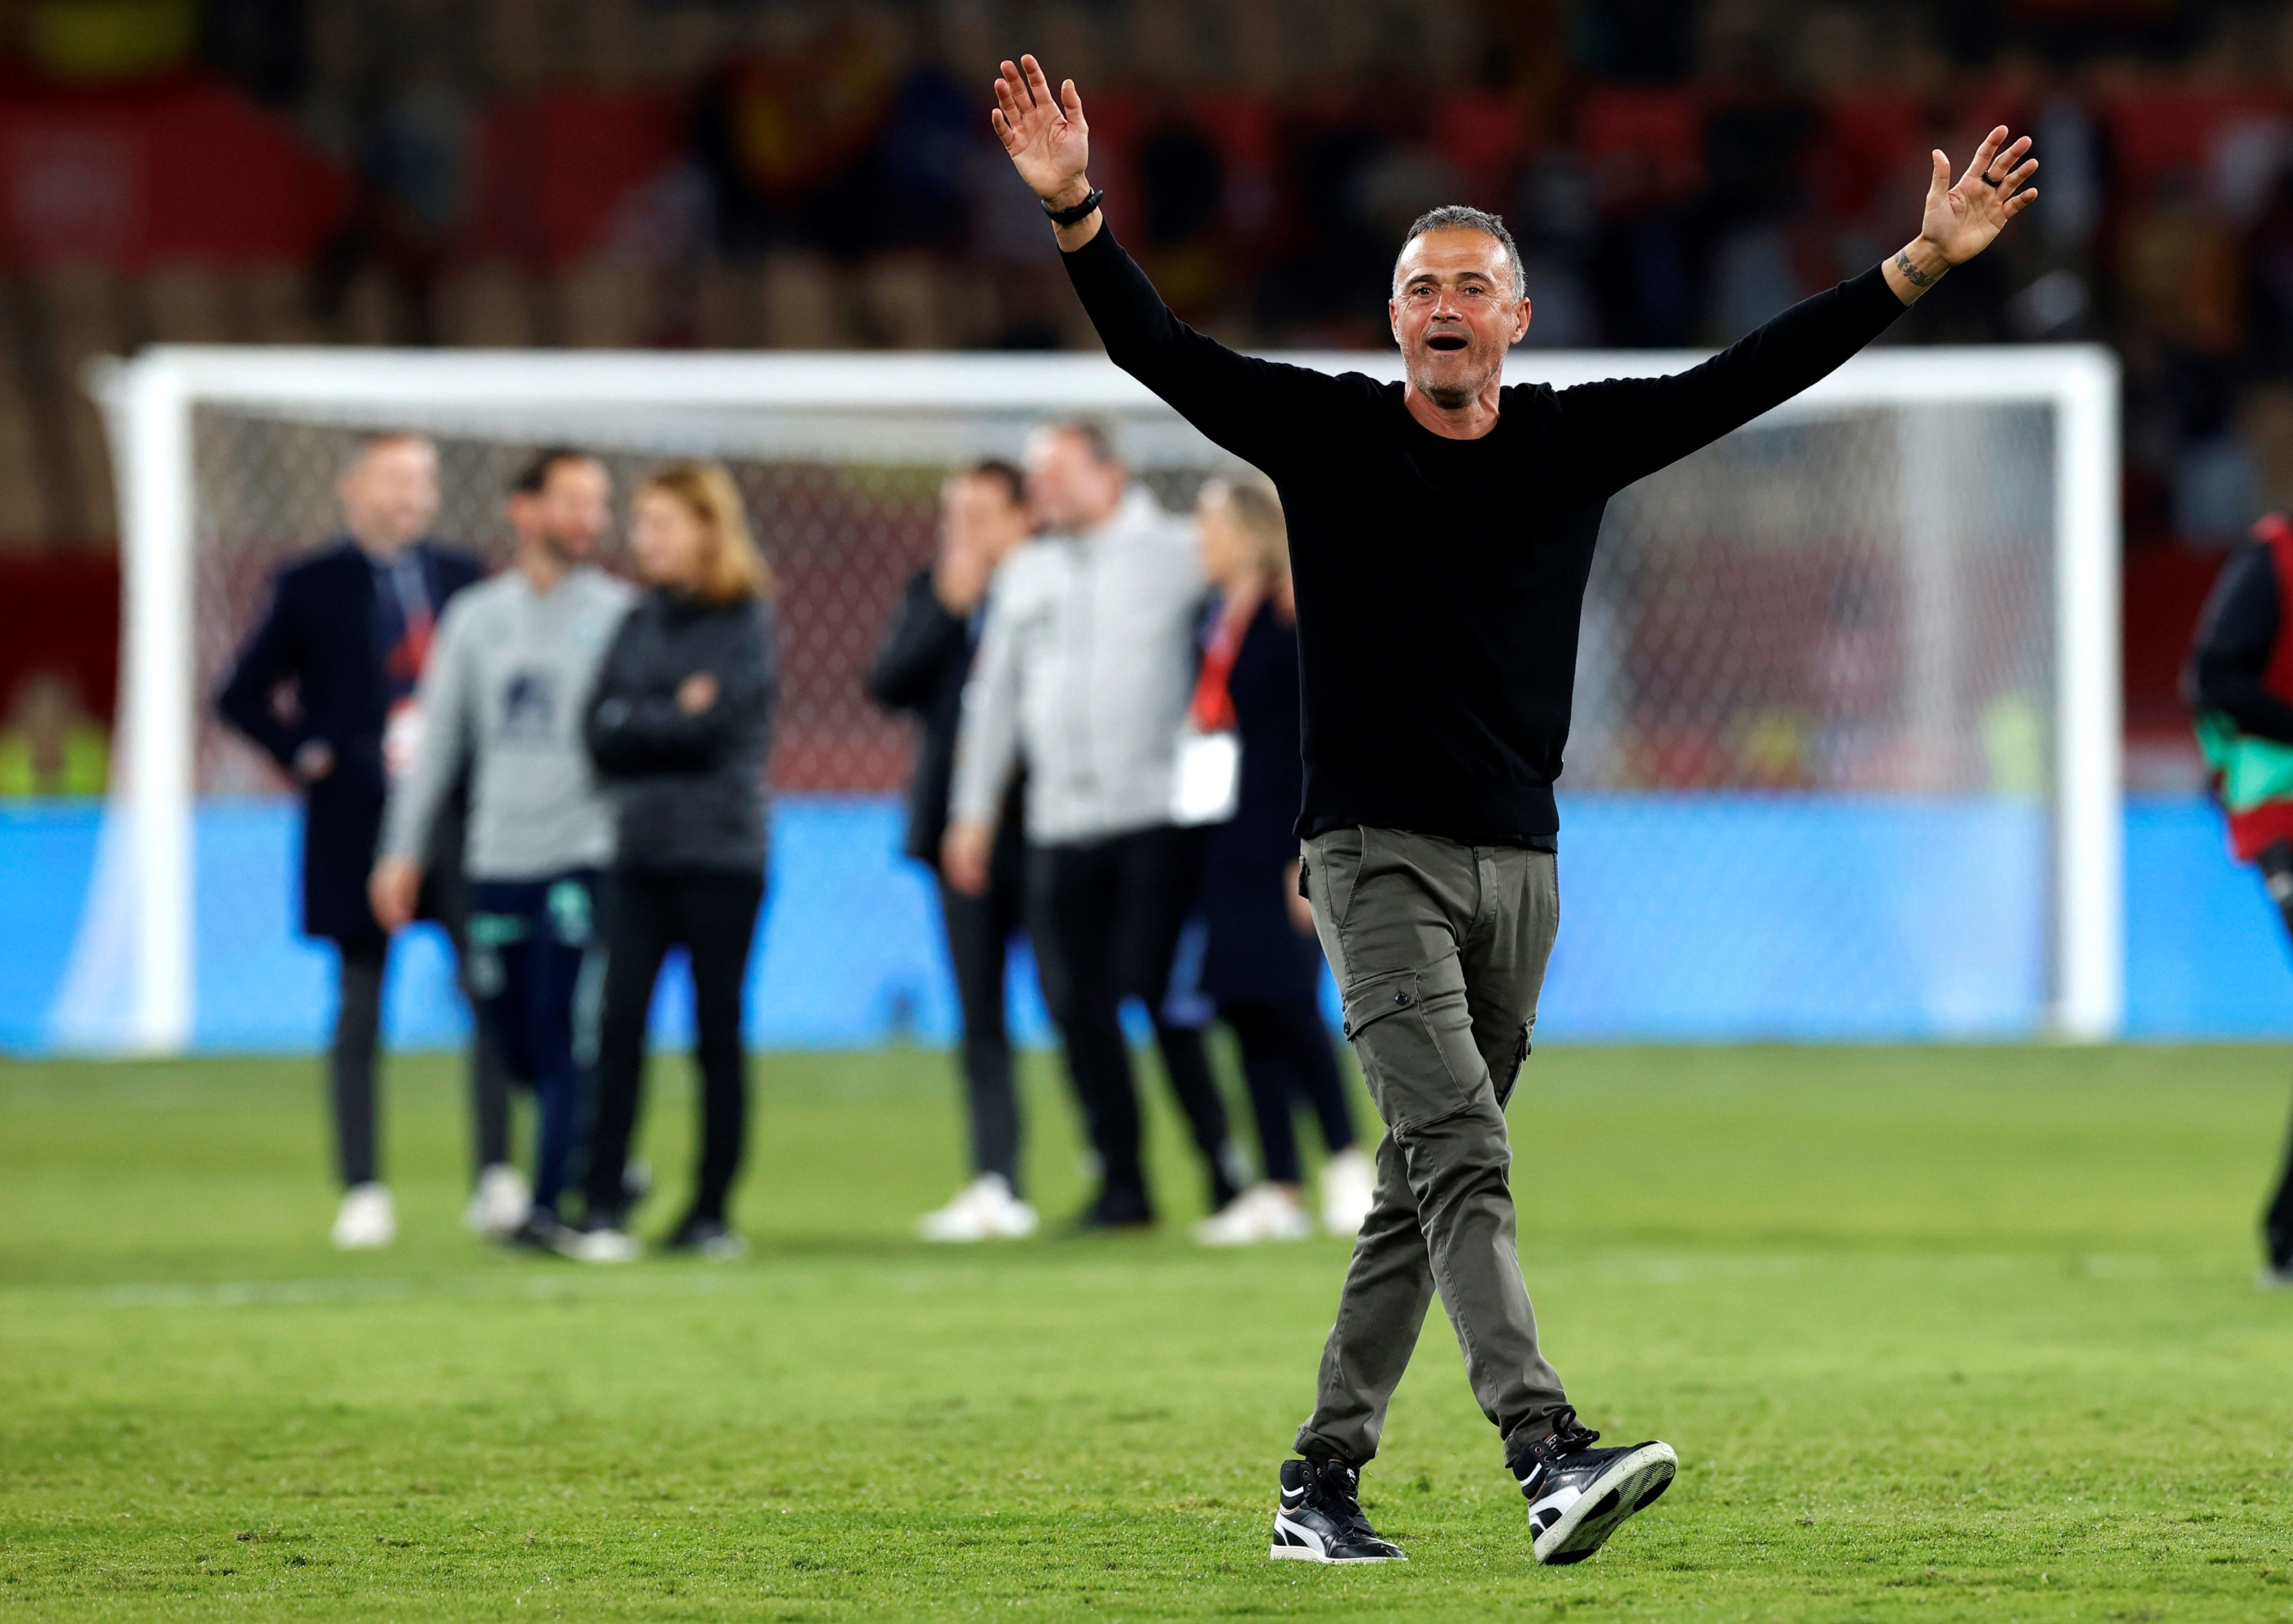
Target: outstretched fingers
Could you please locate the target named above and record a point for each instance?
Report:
(2019, 202)
(1071, 104)
(1980, 168)
(1038, 87)
(2006, 161)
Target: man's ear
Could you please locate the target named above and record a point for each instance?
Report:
(1393, 319)
(1521, 322)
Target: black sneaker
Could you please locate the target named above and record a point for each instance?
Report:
(709, 1237)
(1578, 1496)
(1320, 1517)
(1113, 1209)
(541, 1232)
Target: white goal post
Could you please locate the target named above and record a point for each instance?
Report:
(131, 984)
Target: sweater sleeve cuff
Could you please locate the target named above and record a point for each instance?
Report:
(1867, 294)
(1097, 248)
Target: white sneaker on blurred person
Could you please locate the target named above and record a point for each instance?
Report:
(366, 1220)
(607, 1243)
(1263, 1211)
(985, 1209)
(501, 1202)
(1348, 1190)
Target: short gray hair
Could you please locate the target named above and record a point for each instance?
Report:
(1096, 437)
(1459, 216)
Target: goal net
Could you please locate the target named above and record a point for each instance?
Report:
(1844, 762)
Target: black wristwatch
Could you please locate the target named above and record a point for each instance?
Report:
(1080, 211)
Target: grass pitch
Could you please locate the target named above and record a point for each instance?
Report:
(1943, 1334)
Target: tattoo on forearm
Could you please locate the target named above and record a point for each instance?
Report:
(1916, 278)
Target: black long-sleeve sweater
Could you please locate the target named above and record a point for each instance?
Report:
(1441, 581)
(2229, 661)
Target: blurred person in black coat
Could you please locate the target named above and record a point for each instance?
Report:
(920, 669)
(1261, 962)
(680, 725)
(325, 687)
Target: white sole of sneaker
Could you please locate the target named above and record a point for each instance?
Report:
(1292, 1543)
(1633, 1483)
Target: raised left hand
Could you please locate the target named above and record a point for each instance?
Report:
(1961, 220)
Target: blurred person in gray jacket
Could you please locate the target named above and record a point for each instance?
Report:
(680, 723)
(1083, 671)
(505, 689)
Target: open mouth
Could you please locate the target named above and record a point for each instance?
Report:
(1445, 341)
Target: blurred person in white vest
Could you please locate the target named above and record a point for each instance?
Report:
(1083, 671)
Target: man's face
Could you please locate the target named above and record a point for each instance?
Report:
(390, 495)
(1068, 487)
(978, 518)
(1455, 312)
(570, 513)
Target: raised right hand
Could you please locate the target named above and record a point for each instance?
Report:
(1046, 136)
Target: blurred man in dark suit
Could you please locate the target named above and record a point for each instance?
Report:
(922, 670)
(326, 687)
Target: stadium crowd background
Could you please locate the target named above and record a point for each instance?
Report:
(700, 172)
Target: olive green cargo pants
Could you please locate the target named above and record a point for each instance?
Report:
(1438, 949)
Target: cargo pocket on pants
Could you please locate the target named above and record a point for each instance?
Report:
(1512, 1078)
(1415, 1037)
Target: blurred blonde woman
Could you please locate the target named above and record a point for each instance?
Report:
(680, 725)
(1261, 963)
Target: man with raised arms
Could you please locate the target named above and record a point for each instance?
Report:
(1440, 533)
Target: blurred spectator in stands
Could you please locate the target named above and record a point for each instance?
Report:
(408, 142)
(1184, 183)
(263, 44)
(95, 42)
(2056, 304)
(1756, 138)
(1651, 41)
(50, 745)
(920, 669)
(2269, 280)
(2180, 279)
(1556, 224)
(680, 726)
(1334, 261)
(1260, 962)
(326, 685)
(1644, 169)
(788, 138)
